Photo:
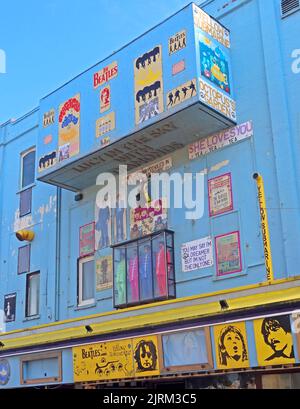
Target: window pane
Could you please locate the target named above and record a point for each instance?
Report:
(88, 280)
(185, 348)
(160, 271)
(24, 259)
(133, 273)
(25, 202)
(28, 170)
(120, 276)
(33, 292)
(145, 268)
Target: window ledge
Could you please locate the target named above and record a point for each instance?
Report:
(33, 317)
(83, 307)
(26, 188)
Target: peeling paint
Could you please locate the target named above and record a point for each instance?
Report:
(23, 222)
(219, 165)
(47, 208)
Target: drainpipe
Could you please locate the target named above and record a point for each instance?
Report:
(264, 226)
(57, 253)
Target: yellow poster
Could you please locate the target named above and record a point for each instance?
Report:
(104, 272)
(146, 362)
(68, 128)
(182, 93)
(105, 360)
(148, 85)
(274, 341)
(231, 346)
(105, 124)
(122, 359)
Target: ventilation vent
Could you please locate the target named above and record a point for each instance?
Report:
(289, 7)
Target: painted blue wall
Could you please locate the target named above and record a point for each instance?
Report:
(266, 92)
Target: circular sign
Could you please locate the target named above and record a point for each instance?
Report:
(4, 371)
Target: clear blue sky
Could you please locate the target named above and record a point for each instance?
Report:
(48, 42)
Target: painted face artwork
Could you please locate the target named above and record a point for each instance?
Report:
(231, 345)
(145, 356)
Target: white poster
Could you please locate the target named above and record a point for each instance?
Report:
(197, 254)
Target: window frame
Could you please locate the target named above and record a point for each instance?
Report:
(22, 156)
(29, 257)
(80, 262)
(27, 294)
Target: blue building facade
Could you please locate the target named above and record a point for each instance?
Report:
(205, 292)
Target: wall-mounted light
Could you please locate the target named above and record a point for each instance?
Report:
(223, 304)
(88, 328)
(27, 235)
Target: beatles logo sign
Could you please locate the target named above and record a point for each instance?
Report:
(106, 74)
(48, 118)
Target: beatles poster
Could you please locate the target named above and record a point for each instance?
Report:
(214, 63)
(181, 93)
(47, 161)
(10, 307)
(105, 99)
(119, 222)
(148, 219)
(228, 253)
(105, 124)
(274, 340)
(87, 239)
(177, 42)
(231, 346)
(220, 140)
(104, 273)
(220, 195)
(102, 226)
(69, 128)
(197, 254)
(148, 85)
(122, 359)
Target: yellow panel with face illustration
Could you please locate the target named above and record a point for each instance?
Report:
(231, 346)
(145, 354)
(274, 341)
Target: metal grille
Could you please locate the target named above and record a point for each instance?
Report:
(289, 6)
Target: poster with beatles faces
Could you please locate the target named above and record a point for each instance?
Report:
(148, 85)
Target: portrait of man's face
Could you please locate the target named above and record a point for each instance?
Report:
(278, 339)
(233, 345)
(146, 358)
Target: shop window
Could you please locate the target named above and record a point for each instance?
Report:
(32, 294)
(41, 368)
(86, 281)
(144, 270)
(24, 259)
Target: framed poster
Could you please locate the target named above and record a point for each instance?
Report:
(220, 195)
(197, 254)
(104, 273)
(228, 253)
(10, 307)
(87, 239)
(274, 340)
(231, 347)
(69, 128)
(103, 226)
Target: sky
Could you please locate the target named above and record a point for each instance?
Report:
(48, 42)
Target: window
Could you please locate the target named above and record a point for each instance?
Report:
(144, 270)
(25, 202)
(289, 6)
(24, 259)
(86, 281)
(27, 168)
(32, 294)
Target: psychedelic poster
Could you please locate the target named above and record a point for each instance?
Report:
(274, 340)
(220, 195)
(228, 253)
(148, 85)
(87, 239)
(148, 219)
(214, 63)
(104, 272)
(69, 128)
(231, 347)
